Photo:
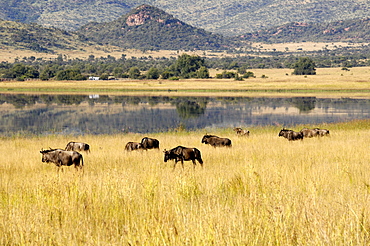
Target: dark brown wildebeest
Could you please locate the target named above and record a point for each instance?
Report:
(77, 146)
(240, 132)
(182, 154)
(309, 133)
(62, 157)
(130, 146)
(291, 135)
(216, 141)
(149, 143)
(322, 132)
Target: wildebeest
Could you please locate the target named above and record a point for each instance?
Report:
(309, 133)
(130, 146)
(182, 154)
(77, 146)
(149, 143)
(291, 135)
(322, 132)
(62, 157)
(216, 141)
(241, 132)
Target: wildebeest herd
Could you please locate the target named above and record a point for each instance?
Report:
(71, 154)
(304, 133)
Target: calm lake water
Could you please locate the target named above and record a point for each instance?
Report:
(102, 114)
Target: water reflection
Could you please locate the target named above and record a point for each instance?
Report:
(102, 114)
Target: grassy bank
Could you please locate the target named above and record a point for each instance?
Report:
(329, 82)
(264, 190)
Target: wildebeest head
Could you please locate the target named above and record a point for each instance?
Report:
(283, 132)
(48, 155)
(167, 155)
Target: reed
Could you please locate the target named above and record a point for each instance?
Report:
(264, 190)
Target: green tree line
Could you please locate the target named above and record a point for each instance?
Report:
(184, 66)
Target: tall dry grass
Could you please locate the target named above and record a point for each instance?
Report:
(264, 190)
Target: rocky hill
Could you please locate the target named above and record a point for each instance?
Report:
(227, 17)
(147, 27)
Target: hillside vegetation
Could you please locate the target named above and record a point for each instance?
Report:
(147, 27)
(354, 30)
(229, 17)
(37, 38)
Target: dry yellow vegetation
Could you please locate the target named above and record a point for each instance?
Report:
(9, 54)
(329, 82)
(264, 190)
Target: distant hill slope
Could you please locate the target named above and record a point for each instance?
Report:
(355, 30)
(228, 17)
(147, 27)
(37, 38)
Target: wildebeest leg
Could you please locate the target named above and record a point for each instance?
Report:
(201, 163)
(194, 164)
(182, 163)
(174, 164)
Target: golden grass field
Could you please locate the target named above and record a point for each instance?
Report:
(264, 190)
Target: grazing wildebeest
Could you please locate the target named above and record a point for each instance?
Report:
(309, 133)
(322, 132)
(240, 132)
(216, 141)
(182, 154)
(149, 143)
(62, 157)
(130, 146)
(291, 135)
(77, 146)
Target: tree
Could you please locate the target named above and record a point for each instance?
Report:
(203, 73)
(134, 73)
(153, 73)
(69, 74)
(304, 66)
(186, 66)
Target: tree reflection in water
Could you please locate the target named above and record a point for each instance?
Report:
(103, 114)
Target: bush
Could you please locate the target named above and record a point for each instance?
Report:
(304, 66)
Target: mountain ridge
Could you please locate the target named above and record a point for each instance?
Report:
(227, 17)
(149, 28)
